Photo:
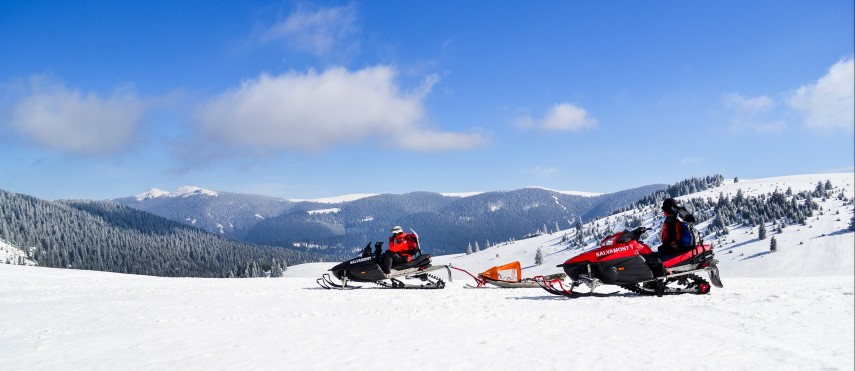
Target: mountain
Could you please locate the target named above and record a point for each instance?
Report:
(446, 223)
(216, 212)
(105, 236)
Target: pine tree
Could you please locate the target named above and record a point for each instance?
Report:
(852, 224)
(477, 249)
(538, 257)
(761, 231)
(275, 269)
(469, 249)
(773, 245)
(580, 239)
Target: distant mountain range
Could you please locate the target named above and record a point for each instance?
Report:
(445, 223)
(202, 233)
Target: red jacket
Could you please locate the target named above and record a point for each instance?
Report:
(670, 230)
(404, 244)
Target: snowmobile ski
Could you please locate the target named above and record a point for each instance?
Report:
(326, 282)
(550, 287)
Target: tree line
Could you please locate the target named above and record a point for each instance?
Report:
(104, 236)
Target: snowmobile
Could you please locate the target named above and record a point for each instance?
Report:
(625, 261)
(366, 268)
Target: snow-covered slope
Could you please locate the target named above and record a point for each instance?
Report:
(574, 193)
(10, 254)
(184, 191)
(335, 199)
(65, 319)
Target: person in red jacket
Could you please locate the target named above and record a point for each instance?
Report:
(402, 247)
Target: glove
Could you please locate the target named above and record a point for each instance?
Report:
(378, 245)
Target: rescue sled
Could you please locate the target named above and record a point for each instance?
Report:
(507, 276)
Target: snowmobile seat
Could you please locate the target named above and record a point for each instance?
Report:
(416, 262)
(694, 255)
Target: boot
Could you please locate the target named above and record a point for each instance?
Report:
(657, 268)
(660, 288)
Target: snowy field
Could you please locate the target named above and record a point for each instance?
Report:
(53, 319)
(790, 310)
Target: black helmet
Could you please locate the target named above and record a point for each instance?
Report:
(669, 205)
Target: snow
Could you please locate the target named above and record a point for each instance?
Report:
(66, 319)
(324, 211)
(335, 199)
(792, 309)
(572, 193)
(461, 194)
(13, 255)
(184, 191)
(356, 196)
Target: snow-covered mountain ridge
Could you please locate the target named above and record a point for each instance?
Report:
(184, 191)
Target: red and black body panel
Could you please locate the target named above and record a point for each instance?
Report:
(616, 271)
(619, 260)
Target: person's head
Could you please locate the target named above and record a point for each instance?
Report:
(396, 230)
(669, 206)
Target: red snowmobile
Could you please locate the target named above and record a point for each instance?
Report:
(623, 260)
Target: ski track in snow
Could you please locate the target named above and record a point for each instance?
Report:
(66, 319)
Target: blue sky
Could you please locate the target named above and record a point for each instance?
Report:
(104, 99)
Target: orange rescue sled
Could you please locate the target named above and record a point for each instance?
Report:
(507, 276)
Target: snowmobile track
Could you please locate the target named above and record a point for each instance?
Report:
(697, 285)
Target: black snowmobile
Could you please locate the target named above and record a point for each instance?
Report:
(366, 268)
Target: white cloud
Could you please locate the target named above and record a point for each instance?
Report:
(753, 106)
(544, 171)
(433, 141)
(775, 127)
(314, 111)
(57, 117)
(752, 113)
(562, 117)
(828, 103)
(319, 31)
(691, 160)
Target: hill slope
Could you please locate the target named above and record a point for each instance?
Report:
(67, 319)
(109, 237)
